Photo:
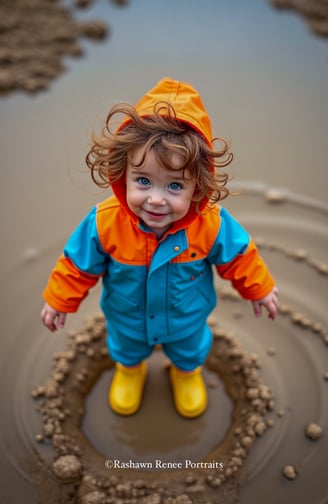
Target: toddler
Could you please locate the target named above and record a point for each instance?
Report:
(155, 244)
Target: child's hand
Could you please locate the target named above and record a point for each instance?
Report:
(270, 302)
(49, 316)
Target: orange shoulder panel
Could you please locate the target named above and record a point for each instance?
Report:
(118, 231)
(201, 234)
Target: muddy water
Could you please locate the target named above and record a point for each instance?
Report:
(264, 81)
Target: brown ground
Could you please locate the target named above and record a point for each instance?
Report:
(31, 56)
(78, 465)
(35, 37)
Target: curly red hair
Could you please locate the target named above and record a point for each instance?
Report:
(165, 135)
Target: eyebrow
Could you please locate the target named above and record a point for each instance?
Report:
(146, 174)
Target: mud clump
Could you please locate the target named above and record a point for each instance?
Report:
(35, 37)
(315, 12)
(275, 196)
(94, 29)
(313, 431)
(95, 497)
(289, 472)
(67, 468)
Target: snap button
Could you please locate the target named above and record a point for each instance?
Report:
(176, 248)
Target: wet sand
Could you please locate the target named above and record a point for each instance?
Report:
(266, 425)
(35, 39)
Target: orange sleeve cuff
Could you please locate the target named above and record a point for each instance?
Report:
(248, 274)
(67, 286)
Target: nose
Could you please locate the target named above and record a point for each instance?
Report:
(156, 197)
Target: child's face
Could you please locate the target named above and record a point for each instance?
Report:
(156, 195)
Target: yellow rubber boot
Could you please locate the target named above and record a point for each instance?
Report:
(189, 391)
(126, 390)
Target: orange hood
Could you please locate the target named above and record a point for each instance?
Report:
(186, 101)
(189, 109)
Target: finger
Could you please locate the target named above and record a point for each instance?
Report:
(50, 324)
(49, 321)
(61, 320)
(272, 310)
(275, 296)
(257, 308)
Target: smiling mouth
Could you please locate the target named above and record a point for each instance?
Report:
(155, 215)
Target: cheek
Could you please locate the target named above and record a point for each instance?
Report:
(129, 194)
(133, 196)
(182, 206)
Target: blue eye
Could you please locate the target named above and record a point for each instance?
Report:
(143, 181)
(175, 186)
